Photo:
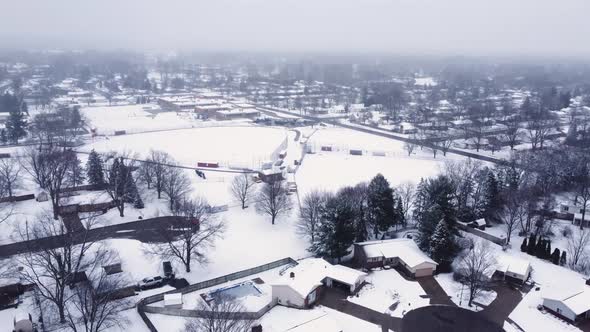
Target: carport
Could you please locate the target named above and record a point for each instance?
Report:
(345, 278)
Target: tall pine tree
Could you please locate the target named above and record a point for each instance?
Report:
(381, 205)
(335, 233)
(16, 124)
(94, 169)
(442, 244)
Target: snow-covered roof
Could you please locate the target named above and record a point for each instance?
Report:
(172, 299)
(404, 249)
(508, 263)
(310, 273)
(577, 301)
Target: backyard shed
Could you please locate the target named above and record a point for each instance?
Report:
(173, 300)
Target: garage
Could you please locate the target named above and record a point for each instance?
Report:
(344, 278)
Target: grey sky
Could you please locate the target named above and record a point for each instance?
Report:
(480, 27)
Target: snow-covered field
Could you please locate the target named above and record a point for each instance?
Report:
(243, 146)
(134, 118)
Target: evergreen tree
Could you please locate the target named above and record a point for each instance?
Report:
(16, 123)
(335, 233)
(438, 204)
(3, 137)
(399, 213)
(524, 246)
(94, 169)
(563, 259)
(548, 250)
(555, 256)
(493, 202)
(442, 243)
(532, 245)
(381, 205)
(75, 174)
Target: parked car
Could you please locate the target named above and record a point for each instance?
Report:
(147, 283)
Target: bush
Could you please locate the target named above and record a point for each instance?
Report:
(566, 231)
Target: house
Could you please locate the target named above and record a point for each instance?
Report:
(479, 224)
(402, 253)
(578, 217)
(238, 113)
(271, 175)
(513, 269)
(573, 306)
(173, 300)
(301, 285)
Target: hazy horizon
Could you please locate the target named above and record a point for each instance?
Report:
(431, 27)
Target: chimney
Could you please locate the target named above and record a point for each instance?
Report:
(292, 275)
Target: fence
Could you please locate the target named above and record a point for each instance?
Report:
(482, 234)
(142, 307)
(17, 198)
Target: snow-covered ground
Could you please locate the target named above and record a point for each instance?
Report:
(243, 146)
(460, 293)
(388, 292)
(134, 118)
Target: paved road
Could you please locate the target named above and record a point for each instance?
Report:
(336, 299)
(147, 230)
(436, 293)
(505, 302)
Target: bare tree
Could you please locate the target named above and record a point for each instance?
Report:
(159, 162)
(577, 246)
(407, 192)
(10, 178)
(241, 188)
(95, 305)
(187, 239)
(222, 315)
(312, 207)
(445, 144)
(146, 173)
(176, 185)
(512, 211)
(476, 267)
(272, 200)
(52, 269)
(410, 146)
(49, 167)
(582, 186)
(513, 132)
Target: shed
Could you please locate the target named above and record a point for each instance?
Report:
(173, 300)
(42, 197)
(574, 306)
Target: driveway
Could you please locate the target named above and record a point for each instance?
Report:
(336, 299)
(506, 300)
(436, 293)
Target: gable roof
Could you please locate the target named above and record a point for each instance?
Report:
(578, 301)
(405, 249)
(310, 273)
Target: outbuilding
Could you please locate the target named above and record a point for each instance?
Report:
(173, 300)
(402, 253)
(572, 306)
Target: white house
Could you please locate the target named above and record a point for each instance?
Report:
(573, 306)
(512, 268)
(403, 253)
(301, 285)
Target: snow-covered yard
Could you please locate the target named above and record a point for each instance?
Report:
(460, 293)
(388, 292)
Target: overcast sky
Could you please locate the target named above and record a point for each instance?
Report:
(470, 27)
